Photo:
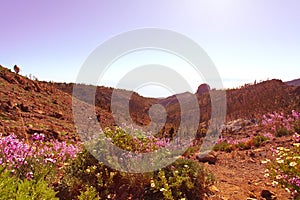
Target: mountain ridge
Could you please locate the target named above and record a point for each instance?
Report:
(39, 106)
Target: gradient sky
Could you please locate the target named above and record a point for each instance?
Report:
(246, 39)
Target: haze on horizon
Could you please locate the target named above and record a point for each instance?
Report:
(247, 40)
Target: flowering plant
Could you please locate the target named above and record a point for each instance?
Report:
(281, 124)
(285, 168)
(36, 158)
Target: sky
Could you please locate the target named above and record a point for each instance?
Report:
(247, 40)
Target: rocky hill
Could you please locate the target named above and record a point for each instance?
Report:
(28, 106)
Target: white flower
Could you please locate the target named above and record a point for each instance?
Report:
(264, 162)
(162, 189)
(278, 177)
(274, 183)
(293, 164)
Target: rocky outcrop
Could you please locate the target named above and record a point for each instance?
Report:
(203, 88)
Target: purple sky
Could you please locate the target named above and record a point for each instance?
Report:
(247, 39)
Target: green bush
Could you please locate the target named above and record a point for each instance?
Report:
(87, 171)
(258, 140)
(241, 145)
(13, 188)
(223, 146)
(183, 179)
(281, 131)
(89, 194)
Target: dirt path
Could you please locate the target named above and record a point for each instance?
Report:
(240, 174)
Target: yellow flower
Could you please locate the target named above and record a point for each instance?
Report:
(296, 144)
(279, 160)
(152, 183)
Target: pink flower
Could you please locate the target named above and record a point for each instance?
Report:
(295, 114)
(29, 175)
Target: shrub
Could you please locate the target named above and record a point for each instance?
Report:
(281, 131)
(85, 170)
(242, 146)
(37, 159)
(258, 140)
(184, 179)
(33, 166)
(89, 194)
(189, 181)
(12, 187)
(281, 124)
(223, 146)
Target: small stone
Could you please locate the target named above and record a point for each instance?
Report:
(266, 194)
(24, 108)
(213, 189)
(252, 195)
(252, 154)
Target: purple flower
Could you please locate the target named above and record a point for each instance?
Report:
(17, 155)
(295, 114)
(38, 137)
(295, 181)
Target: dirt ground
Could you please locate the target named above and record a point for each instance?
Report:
(240, 174)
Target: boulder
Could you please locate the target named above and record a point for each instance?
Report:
(209, 157)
